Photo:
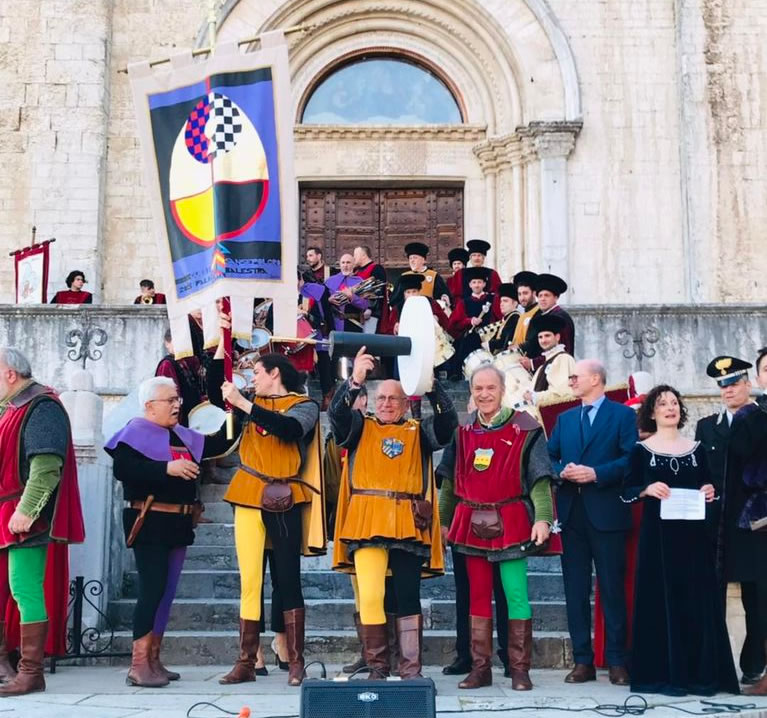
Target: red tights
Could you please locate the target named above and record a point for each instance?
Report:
(480, 572)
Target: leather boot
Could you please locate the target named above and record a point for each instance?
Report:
(359, 665)
(757, 689)
(157, 663)
(244, 670)
(294, 637)
(30, 676)
(481, 653)
(142, 669)
(409, 636)
(520, 652)
(6, 670)
(392, 637)
(375, 649)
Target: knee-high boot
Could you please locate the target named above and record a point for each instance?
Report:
(294, 636)
(359, 665)
(481, 653)
(409, 637)
(6, 670)
(392, 638)
(244, 669)
(30, 676)
(142, 669)
(760, 687)
(375, 649)
(520, 652)
(155, 657)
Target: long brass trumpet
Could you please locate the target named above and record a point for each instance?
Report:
(146, 299)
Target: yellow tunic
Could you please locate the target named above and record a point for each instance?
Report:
(279, 459)
(520, 333)
(429, 278)
(387, 458)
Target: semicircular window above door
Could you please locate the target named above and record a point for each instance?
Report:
(381, 90)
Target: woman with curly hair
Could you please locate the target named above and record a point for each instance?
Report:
(680, 641)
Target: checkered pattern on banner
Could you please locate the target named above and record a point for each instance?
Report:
(226, 126)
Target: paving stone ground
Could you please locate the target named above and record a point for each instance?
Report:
(100, 692)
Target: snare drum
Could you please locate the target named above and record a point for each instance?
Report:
(475, 360)
(206, 418)
(240, 381)
(259, 340)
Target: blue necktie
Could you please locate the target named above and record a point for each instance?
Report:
(585, 422)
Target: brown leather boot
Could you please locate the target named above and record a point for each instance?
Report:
(375, 649)
(409, 636)
(244, 670)
(760, 687)
(359, 665)
(30, 676)
(157, 663)
(481, 653)
(393, 641)
(294, 637)
(520, 651)
(6, 670)
(142, 669)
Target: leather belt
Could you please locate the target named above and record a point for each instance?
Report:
(275, 480)
(399, 495)
(493, 505)
(183, 509)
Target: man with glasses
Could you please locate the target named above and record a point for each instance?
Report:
(589, 450)
(387, 517)
(158, 462)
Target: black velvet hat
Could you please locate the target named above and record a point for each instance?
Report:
(550, 323)
(552, 283)
(410, 280)
(508, 289)
(476, 273)
(526, 279)
(418, 248)
(478, 245)
(459, 254)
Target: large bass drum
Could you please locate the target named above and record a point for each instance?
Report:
(518, 379)
(475, 360)
(206, 418)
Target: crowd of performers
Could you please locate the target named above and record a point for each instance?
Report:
(589, 486)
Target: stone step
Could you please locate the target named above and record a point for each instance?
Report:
(213, 585)
(204, 614)
(550, 650)
(201, 556)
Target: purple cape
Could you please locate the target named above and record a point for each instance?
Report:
(153, 440)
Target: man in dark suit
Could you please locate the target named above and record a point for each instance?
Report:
(589, 450)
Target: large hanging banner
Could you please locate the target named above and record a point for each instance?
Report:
(217, 143)
(31, 264)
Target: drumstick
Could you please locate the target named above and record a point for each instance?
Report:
(226, 308)
(299, 340)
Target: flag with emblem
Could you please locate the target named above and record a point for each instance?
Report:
(218, 155)
(482, 459)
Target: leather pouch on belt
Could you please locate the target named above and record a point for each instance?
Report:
(277, 497)
(486, 523)
(423, 512)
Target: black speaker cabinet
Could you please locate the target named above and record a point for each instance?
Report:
(368, 699)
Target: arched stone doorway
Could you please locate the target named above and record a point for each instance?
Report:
(514, 77)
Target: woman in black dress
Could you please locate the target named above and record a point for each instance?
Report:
(680, 641)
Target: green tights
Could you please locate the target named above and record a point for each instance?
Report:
(26, 573)
(513, 578)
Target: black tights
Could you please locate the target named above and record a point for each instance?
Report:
(404, 587)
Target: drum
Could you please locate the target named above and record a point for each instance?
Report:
(240, 381)
(474, 360)
(259, 340)
(444, 344)
(206, 418)
(518, 379)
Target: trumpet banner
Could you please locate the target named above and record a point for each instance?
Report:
(216, 139)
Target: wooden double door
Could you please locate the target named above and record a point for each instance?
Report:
(338, 220)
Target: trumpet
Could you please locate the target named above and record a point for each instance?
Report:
(370, 289)
(147, 299)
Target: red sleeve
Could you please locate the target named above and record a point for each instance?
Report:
(459, 321)
(165, 368)
(442, 318)
(495, 282)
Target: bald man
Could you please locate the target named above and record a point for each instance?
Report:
(589, 450)
(348, 308)
(387, 516)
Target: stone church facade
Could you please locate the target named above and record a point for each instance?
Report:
(621, 144)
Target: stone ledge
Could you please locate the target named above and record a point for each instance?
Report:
(441, 133)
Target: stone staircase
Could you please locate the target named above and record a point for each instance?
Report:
(204, 619)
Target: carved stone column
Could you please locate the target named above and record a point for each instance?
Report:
(488, 160)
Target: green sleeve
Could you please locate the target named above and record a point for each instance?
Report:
(542, 502)
(44, 475)
(447, 502)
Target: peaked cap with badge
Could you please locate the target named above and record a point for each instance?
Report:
(727, 370)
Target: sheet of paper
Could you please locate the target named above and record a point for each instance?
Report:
(684, 505)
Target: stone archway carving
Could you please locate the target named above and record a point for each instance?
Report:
(516, 77)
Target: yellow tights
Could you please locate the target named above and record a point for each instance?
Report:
(371, 565)
(249, 540)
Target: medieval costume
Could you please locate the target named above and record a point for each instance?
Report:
(38, 479)
(320, 315)
(159, 519)
(156, 298)
(504, 335)
(387, 518)
(477, 246)
(277, 494)
(680, 642)
(501, 487)
(745, 519)
(186, 375)
(378, 307)
(551, 381)
(474, 305)
(433, 285)
(557, 286)
(347, 311)
(521, 333)
(74, 294)
(455, 282)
